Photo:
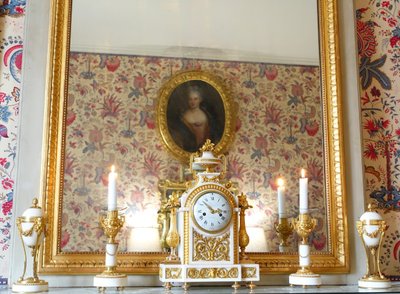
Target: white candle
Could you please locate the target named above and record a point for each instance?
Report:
(303, 183)
(281, 198)
(112, 189)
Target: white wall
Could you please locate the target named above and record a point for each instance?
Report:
(31, 136)
(227, 28)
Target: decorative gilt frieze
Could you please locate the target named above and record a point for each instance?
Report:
(211, 248)
(215, 179)
(211, 273)
(173, 273)
(249, 272)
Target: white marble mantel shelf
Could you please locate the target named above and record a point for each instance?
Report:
(221, 290)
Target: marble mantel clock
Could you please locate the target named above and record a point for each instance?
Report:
(208, 234)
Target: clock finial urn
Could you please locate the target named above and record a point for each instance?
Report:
(208, 227)
(208, 146)
(205, 159)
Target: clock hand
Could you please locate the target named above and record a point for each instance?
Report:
(209, 207)
(212, 210)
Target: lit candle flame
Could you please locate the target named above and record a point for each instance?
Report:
(113, 168)
(280, 182)
(303, 173)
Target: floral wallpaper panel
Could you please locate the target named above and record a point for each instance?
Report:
(11, 42)
(378, 32)
(111, 120)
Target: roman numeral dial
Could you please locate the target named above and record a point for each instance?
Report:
(212, 212)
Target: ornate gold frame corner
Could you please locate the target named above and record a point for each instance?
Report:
(165, 93)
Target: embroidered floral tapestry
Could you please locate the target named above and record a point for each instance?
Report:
(111, 120)
(11, 30)
(378, 32)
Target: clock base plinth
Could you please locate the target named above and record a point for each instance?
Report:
(184, 273)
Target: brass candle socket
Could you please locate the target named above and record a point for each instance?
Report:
(172, 238)
(284, 228)
(112, 224)
(304, 225)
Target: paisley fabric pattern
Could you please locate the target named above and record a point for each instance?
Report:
(378, 30)
(12, 7)
(10, 76)
(111, 120)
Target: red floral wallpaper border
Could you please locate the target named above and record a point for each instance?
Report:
(11, 44)
(378, 32)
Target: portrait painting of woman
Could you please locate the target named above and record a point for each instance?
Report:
(195, 113)
(194, 106)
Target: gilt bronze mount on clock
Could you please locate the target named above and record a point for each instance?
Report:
(208, 227)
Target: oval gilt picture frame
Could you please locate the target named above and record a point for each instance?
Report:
(194, 106)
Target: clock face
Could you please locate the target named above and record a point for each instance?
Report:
(212, 212)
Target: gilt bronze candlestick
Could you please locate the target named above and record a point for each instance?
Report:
(173, 236)
(244, 238)
(304, 225)
(111, 224)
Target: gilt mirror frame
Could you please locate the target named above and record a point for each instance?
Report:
(54, 261)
